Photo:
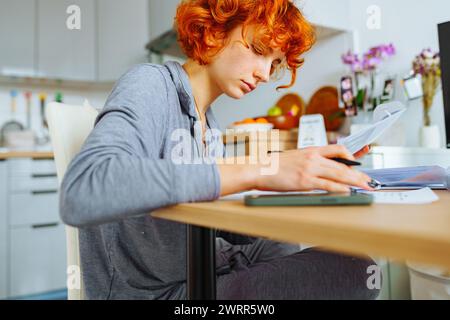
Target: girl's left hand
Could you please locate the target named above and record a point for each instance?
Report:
(361, 153)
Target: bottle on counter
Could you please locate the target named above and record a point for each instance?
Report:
(59, 97)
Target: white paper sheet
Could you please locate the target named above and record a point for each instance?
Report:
(384, 117)
(422, 196)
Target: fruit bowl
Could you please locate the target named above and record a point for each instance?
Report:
(251, 127)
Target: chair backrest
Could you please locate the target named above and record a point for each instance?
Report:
(69, 127)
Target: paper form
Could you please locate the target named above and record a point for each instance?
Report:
(422, 196)
(384, 116)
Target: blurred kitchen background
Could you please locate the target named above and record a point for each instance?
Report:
(44, 58)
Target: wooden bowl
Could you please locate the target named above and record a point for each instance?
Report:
(326, 102)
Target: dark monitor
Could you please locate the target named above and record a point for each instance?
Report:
(444, 43)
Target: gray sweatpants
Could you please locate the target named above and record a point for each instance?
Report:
(260, 269)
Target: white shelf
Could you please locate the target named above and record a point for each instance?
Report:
(26, 82)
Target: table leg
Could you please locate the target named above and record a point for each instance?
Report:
(201, 263)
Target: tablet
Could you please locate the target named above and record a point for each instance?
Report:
(293, 200)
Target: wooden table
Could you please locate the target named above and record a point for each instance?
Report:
(419, 233)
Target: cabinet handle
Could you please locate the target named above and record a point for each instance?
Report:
(43, 175)
(47, 225)
(44, 192)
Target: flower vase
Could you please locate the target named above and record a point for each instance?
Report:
(429, 86)
(430, 137)
(429, 134)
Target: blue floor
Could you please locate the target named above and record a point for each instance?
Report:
(53, 295)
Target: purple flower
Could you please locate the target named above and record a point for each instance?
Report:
(371, 60)
(427, 63)
(353, 61)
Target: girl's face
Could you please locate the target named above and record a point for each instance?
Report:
(237, 70)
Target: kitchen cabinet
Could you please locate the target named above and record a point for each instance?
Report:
(111, 38)
(17, 37)
(32, 246)
(37, 260)
(63, 53)
(3, 231)
(123, 32)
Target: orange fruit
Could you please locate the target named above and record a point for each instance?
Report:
(248, 121)
(261, 120)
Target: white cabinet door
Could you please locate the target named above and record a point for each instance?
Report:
(64, 53)
(31, 208)
(162, 14)
(123, 32)
(3, 231)
(17, 37)
(37, 260)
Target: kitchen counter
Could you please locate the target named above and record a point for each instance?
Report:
(19, 153)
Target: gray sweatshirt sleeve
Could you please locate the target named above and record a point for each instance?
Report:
(115, 176)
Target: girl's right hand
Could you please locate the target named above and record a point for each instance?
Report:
(311, 169)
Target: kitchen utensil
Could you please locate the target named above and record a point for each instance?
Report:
(28, 108)
(14, 95)
(12, 125)
(42, 98)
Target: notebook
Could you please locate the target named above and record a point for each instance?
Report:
(433, 177)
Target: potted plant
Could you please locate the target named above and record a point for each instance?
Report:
(365, 69)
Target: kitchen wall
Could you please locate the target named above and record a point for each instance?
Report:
(411, 26)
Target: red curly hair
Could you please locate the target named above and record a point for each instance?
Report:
(204, 25)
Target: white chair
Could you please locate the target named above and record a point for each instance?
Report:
(69, 127)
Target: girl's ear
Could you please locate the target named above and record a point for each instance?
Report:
(210, 41)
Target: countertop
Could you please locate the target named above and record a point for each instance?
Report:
(37, 153)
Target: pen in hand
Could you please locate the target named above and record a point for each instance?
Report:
(349, 163)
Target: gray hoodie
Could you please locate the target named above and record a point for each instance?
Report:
(123, 172)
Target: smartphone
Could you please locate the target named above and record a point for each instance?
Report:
(294, 200)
